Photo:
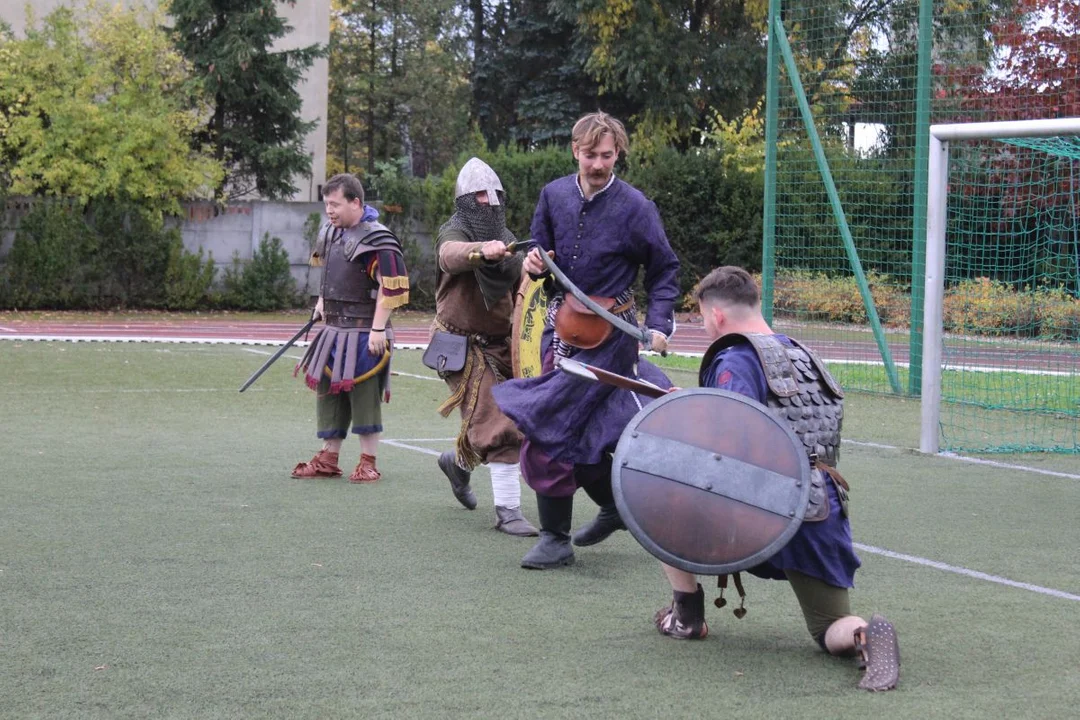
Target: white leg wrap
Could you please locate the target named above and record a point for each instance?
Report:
(505, 485)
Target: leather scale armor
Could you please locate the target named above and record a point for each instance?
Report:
(802, 393)
(349, 293)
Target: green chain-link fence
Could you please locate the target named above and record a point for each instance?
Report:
(846, 199)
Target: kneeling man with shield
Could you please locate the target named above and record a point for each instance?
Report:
(740, 475)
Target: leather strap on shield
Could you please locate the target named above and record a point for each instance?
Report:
(710, 481)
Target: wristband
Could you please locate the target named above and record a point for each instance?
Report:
(378, 329)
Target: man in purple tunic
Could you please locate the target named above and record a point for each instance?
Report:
(601, 232)
(819, 562)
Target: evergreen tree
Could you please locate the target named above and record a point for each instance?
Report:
(529, 79)
(255, 126)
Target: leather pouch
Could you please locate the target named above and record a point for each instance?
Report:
(579, 326)
(446, 352)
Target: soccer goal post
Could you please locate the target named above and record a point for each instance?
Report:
(1001, 341)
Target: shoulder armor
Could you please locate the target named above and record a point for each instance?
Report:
(779, 372)
(322, 244)
(819, 366)
(718, 346)
(368, 236)
(779, 368)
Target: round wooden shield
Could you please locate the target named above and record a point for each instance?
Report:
(530, 311)
(710, 481)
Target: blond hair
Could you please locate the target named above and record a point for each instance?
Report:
(589, 130)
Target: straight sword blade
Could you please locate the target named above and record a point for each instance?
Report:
(278, 354)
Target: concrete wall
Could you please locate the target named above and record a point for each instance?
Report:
(310, 20)
(237, 229)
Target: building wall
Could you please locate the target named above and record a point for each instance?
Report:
(310, 20)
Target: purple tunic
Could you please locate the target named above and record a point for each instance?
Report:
(819, 549)
(600, 244)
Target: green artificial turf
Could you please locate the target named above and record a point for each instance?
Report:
(156, 560)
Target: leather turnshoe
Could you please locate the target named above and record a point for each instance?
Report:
(365, 471)
(879, 655)
(550, 551)
(606, 522)
(512, 522)
(459, 480)
(685, 617)
(323, 465)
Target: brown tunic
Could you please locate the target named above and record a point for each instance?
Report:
(486, 434)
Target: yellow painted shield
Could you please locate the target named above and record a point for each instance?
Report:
(530, 310)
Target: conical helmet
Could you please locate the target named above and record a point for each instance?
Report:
(477, 175)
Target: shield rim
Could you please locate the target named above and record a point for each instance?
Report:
(700, 568)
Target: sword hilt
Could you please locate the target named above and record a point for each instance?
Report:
(516, 246)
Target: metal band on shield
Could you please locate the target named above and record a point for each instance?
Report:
(709, 481)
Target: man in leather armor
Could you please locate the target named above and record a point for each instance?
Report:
(819, 562)
(476, 276)
(348, 362)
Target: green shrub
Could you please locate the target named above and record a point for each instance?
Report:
(187, 278)
(989, 307)
(129, 269)
(108, 255)
(47, 264)
(265, 283)
(813, 295)
(1058, 314)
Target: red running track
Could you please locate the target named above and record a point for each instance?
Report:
(690, 338)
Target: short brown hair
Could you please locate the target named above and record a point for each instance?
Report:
(728, 284)
(349, 185)
(590, 129)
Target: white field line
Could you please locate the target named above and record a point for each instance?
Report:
(977, 461)
(7, 329)
(956, 368)
(418, 377)
(1008, 466)
(120, 391)
(915, 559)
(264, 352)
(945, 567)
(392, 372)
(422, 346)
(406, 446)
(176, 340)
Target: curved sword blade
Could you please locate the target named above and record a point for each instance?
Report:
(641, 334)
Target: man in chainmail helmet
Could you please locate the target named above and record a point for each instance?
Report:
(476, 277)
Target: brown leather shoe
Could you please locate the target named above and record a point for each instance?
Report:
(323, 465)
(879, 655)
(365, 471)
(684, 619)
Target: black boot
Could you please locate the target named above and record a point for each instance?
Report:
(607, 521)
(685, 617)
(553, 549)
(459, 480)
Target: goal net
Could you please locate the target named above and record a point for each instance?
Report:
(1001, 344)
